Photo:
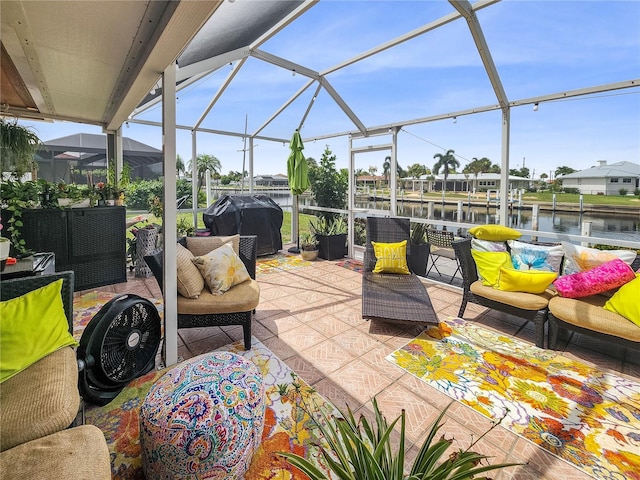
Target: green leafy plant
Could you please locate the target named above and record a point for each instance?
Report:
(16, 197)
(419, 234)
(308, 241)
(184, 227)
(17, 147)
(329, 226)
(359, 449)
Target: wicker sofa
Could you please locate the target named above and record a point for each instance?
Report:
(40, 403)
(584, 315)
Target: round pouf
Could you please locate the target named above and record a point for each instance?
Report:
(203, 419)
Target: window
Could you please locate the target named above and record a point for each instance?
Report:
(613, 180)
(626, 180)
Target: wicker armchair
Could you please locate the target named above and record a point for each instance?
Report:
(222, 310)
(392, 297)
(533, 307)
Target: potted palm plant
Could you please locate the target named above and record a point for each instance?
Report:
(358, 449)
(331, 235)
(308, 246)
(419, 249)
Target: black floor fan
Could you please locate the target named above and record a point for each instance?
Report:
(119, 344)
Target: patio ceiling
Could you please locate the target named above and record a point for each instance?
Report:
(90, 62)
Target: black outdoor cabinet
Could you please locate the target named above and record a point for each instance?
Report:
(89, 241)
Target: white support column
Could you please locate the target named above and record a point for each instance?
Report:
(194, 177)
(250, 166)
(351, 200)
(393, 174)
(504, 168)
(119, 156)
(170, 289)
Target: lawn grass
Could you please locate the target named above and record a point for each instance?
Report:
(534, 197)
(285, 230)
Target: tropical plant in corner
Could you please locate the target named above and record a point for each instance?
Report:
(18, 196)
(353, 449)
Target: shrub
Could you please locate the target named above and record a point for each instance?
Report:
(623, 192)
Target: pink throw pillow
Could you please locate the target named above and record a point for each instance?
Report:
(611, 274)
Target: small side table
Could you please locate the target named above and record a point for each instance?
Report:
(37, 264)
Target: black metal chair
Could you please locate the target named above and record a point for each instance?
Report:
(217, 315)
(387, 296)
(440, 246)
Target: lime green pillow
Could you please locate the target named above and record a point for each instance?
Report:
(31, 327)
(625, 301)
(495, 233)
(391, 257)
(529, 281)
(488, 265)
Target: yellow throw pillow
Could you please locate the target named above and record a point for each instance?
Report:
(625, 301)
(221, 269)
(495, 233)
(529, 281)
(391, 257)
(190, 281)
(31, 327)
(488, 265)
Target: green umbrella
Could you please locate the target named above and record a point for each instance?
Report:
(297, 166)
(297, 173)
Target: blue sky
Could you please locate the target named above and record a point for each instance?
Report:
(539, 47)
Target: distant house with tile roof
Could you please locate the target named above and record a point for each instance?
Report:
(604, 179)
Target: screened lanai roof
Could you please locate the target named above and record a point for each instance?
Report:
(94, 147)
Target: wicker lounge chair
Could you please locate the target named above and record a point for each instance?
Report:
(392, 297)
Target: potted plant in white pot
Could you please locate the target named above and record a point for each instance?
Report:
(5, 246)
(331, 235)
(308, 246)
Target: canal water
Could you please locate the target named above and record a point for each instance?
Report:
(612, 226)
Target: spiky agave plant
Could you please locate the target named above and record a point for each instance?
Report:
(359, 450)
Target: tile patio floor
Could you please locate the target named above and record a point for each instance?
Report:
(310, 318)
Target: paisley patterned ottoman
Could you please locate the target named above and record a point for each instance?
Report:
(203, 419)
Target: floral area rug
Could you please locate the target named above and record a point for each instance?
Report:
(585, 416)
(279, 262)
(288, 427)
(350, 264)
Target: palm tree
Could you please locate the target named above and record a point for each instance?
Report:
(386, 168)
(206, 162)
(476, 167)
(448, 163)
(180, 168)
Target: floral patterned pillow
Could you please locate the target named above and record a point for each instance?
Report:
(221, 269)
(527, 256)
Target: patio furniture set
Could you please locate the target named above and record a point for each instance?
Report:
(390, 292)
(584, 314)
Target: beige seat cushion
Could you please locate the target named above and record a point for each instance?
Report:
(190, 281)
(522, 300)
(76, 453)
(40, 400)
(202, 245)
(241, 298)
(587, 312)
